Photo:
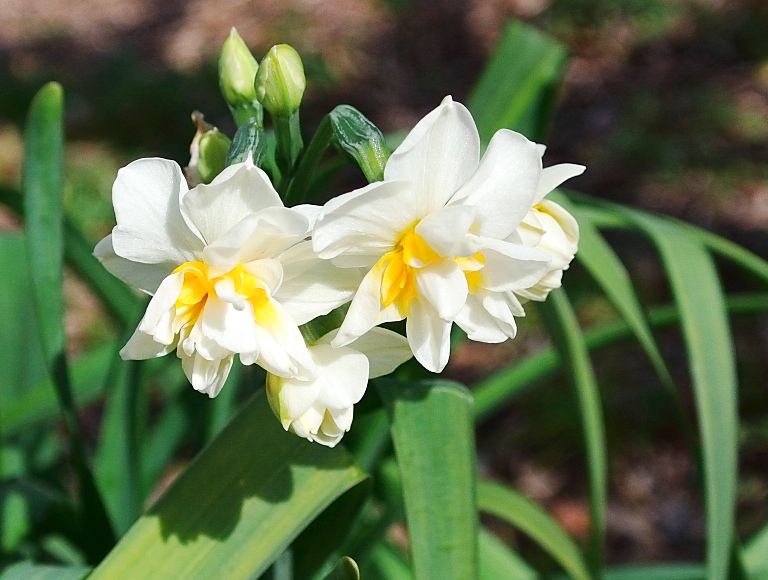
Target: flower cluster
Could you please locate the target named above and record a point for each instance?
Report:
(446, 237)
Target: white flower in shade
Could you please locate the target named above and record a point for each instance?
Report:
(228, 266)
(439, 235)
(321, 408)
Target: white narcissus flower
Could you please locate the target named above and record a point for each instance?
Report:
(228, 266)
(439, 236)
(321, 409)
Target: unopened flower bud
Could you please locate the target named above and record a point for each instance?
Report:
(214, 146)
(280, 81)
(237, 71)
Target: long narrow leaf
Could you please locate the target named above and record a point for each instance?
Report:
(498, 561)
(43, 187)
(433, 436)
(609, 272)
(704, 320)
(32, 571)
(118, 462)
(560, 320)
(756, 555)
(518, 85)
(610, 215)
(660, 572)
(499, 388)
(21, 357)
(237, 507)
(528, 517)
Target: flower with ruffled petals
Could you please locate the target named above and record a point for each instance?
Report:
(228, 267)
(439, 235)
(321, 408)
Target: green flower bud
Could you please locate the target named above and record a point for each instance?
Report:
(214, 146)
(237, 71)
(280, 81)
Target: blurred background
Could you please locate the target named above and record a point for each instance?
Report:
(664, 101)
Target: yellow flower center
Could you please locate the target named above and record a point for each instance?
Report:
(197, 286)
(397, 269)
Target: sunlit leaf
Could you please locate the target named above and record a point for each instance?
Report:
(560, 320)
(704, 320)
(525, 515)
(756, 555)
(237, 506)
(518, 85)
(43, 187)
(32, 571)
(433, 436)
(498, 561)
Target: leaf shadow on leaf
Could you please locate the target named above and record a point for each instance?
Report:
(252, 470)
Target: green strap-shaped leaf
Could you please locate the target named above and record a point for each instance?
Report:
(43, 187)
(610, 215)
(119, 299)
(389, 564)
(660, 572)
(237, 507)
(32, 571)
(704, 320)
(498, 561)
(20, 357)
(609, 272)
(501, 387)
(118, 461)
(517, 88)
(433, 436)
(532, 520)
(560, 320)
(756, 555)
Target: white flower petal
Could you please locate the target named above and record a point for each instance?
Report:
(281, 347)
(145, 277)
(444, 285)
(428, 336)
(238, 191)
(263, 234)
(438, 155)
(553, 176)
(344, 375)
(445, 230)
(363, 310)
(142, 346)
(158, 319)
(268, 271)
(291, 398)
(480, 326)
(206, 376)
(312, 287)
(504, 185)
(368, 221)
(511, 266)
(150, 228)
(386, 350)
(309, 211)
(232, 329)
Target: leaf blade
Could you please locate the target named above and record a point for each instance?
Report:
(242, 518)
(438, 485)
(526, 515)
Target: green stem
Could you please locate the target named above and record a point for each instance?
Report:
(245, 113)
(305, 170)
(289, 145)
